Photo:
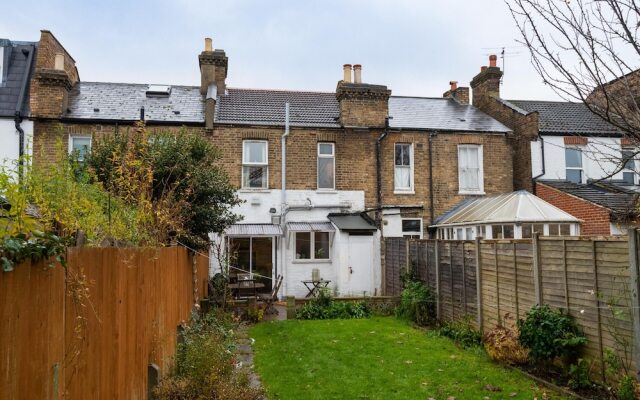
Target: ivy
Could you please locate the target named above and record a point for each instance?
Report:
(35, 247)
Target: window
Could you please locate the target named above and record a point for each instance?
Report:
(312, 246)
(529, 229)
(468, 234)
(559, 229)
(79, 146)
(629, 170)
(403, 175)
(255, 166)
(470, 171)
(412, 228)
(573, 159)
(326, 166)
(502, 231)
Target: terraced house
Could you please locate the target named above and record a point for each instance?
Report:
(325, 176)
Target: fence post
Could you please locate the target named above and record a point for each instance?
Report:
(437, 259)
(635, 295)
(537, 273)
(291, 307)
(515, 278)
(599, 318)
(479, 284)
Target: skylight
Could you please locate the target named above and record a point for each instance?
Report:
(158, 90)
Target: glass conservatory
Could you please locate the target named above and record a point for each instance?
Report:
(514, 215)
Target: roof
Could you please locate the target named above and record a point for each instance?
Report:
(620, 201)
(310, 227)
(123, 101)
(444, 114)
(566, 118)
(16, 77)
(254, 230)
(352, 222)
(520, 206)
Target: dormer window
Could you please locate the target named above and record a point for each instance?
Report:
(158, 91)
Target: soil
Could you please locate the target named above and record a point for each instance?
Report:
(595, 391)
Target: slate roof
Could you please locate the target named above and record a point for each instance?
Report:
(619, 200)
(17, 69)
(565, 118)
(122, 101)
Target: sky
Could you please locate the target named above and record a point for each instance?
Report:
(415, 47)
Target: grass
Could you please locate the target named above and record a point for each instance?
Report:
(377, 358)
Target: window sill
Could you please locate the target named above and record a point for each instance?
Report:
(296, 261)
(409, 192)
(471, 193)
(326, 191)
(249, 190)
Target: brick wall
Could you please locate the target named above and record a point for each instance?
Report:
(596, 219)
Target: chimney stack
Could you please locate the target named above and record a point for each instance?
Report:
(347, 73)
(487, 83)
(213, 69)
(357, 73)
(459, 94)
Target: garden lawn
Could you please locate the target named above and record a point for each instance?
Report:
(377, 358)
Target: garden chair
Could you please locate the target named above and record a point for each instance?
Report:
(269, 299)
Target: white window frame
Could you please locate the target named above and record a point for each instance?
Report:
(411, 188)
(480, 189)
(312, 248)
(634, 159)
(72, 137)
(248, 164)
(581, 169)
(412, 233)
(332, 156)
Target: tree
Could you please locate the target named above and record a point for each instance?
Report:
(188, 192)
(587, 51)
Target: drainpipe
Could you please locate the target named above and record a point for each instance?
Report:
(431, 209)
(384, 134)
(533, 180)
(283, 169)
(18, 113)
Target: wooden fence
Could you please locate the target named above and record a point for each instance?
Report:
(93, 329)
(498, 281)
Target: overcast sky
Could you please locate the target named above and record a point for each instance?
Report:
(413, 47)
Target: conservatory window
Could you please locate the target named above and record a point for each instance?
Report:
(470, 171)
(573, 159)
(255, 166)
(403, 171)
(629, 170)
(502, 231)
(559, 229)
(468, 234)
(529, 229)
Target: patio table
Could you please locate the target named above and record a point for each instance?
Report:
(314, 286)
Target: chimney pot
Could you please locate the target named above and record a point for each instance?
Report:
(59, 62)
(208, 44)
(347, 73)
(357, 73)
(454, 85)
(492, 60)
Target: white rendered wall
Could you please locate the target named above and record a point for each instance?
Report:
(600, 157)
(10, 139)
(392, 222)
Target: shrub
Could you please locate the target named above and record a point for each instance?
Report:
(502, 345)
(626, 388)
(324, 307)
(549, 334)
(462, 332)
(417, 304)
(579, 374)
(205, 365)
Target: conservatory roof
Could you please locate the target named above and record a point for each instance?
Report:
(514, 207)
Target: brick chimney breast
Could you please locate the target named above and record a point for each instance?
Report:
(363, 105)
(458, 93)
(213, 68)
(487, 82)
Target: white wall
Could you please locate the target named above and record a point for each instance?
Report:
(392, 222)
(9, 139)
(599, 158)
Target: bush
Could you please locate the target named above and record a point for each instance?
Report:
(502, 345)
(626, 388)
(549, 334)
(579, 374)
(417, 304)
(462, 332)
(205, 365)
(324, 307)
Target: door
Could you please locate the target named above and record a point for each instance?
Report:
(360, 268)
(253, 255)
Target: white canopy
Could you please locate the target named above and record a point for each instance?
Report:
(514, 207)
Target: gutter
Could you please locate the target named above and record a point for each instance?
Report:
(18, 114)
(533, 179)
(384, 134)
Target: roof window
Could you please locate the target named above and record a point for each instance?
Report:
(158, 90)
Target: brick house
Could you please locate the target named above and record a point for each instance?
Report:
(359, 164)
(567, 150)
(16, 128)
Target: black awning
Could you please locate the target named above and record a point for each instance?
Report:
(353, 222)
